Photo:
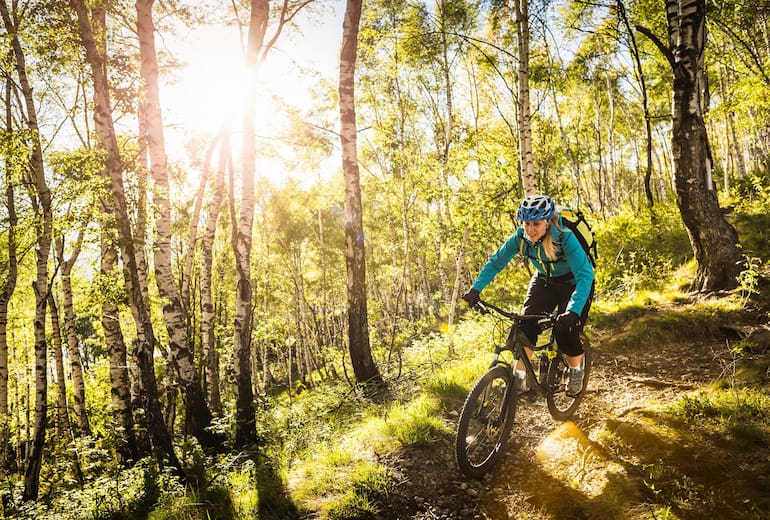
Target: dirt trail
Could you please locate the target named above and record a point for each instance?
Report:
(618, 457)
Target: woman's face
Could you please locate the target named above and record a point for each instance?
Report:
(535, 229)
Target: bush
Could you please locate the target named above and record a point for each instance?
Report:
(639, 249)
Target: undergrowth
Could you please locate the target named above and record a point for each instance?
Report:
(326, 451)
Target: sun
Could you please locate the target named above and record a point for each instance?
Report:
(210, 88)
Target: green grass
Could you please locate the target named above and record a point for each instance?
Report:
(660, 317)
(338, 474)
(338, 482)
(416, 424)
(725, 408)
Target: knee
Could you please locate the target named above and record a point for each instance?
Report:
(569, 342)
(561, 329)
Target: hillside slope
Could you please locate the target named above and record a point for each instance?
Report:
(674, 427)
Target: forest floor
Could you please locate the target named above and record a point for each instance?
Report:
(625, 453)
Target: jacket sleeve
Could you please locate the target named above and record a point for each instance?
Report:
(499, 260)
(581, 268)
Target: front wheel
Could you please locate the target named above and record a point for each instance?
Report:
(560, 405)
(485, 422)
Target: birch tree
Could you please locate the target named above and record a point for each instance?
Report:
(355, 258)
(210, 356)
(527, 166)
(62, 413)
(134, 442)
(713, 239)
(8, 287)
(258, 47)
(91, 26)
(198, 413)
(73, 347)
(41, 202)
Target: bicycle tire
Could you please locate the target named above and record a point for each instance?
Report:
(485, 422)
(560, 405)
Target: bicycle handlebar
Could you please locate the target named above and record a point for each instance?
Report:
(546, 317)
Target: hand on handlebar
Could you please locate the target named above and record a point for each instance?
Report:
(472, 297)
(566, 321)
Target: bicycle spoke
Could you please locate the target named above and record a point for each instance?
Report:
(488, 413)
(560, 405)
(485, 422)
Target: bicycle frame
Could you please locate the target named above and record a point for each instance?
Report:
(489, 411)
(515, 344)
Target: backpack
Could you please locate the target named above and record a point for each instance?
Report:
(576, 222)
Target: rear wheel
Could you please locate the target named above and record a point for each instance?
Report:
(485, 422)
(560, 405)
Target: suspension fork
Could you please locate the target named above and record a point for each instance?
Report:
(517, 342)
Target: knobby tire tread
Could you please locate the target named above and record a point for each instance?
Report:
(560, 405)
(468, 416)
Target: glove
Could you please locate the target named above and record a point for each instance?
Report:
(472, 297)
(566, 321)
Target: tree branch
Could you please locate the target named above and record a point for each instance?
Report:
(662, 47)
(749, 49)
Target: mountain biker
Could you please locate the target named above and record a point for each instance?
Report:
(563, 280)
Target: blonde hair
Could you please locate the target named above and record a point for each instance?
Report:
(548, 247)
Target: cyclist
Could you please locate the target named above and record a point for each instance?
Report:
(563, 280)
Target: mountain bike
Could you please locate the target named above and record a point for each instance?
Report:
(487, 416)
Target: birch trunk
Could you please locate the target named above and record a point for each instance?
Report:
(43, 228)
(639, 73)
(64, 431)
(9, 285)
(210, 356)
(145, 343)
(78, 385)
(245, 422)
(528, 180)
(62, 411)
(130, 448)
(198, 413)
(612, 173)
(192, 239)
(140, 229)
(459, 263)
(364, 368)
(713, 239)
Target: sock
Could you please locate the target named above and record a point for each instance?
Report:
(521, 374)
(573, 369)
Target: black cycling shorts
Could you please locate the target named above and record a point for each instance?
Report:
(549, 295)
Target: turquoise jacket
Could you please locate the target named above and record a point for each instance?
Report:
(571, 258)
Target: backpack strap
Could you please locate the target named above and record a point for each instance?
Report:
(525, 257)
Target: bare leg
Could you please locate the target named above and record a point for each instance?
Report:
(574, 361)
(520, 363)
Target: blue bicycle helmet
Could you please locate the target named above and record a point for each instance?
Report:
(536, 207)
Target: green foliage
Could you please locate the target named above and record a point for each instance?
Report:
(118, 493)
(638, 249)
(338, 483)
(748, 279)
(752, 216)
(417, 423)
